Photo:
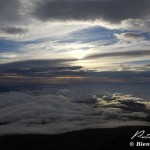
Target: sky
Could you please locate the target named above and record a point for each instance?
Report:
(93, 35)
(72, 64)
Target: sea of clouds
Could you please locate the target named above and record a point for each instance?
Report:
(42, 112)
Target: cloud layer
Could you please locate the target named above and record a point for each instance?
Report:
(45, 113)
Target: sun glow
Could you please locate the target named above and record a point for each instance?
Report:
(79, 54)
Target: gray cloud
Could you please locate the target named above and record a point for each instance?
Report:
(120, 54)
(130, 36)
(61, 67)
(111, 10)
(20, 12)
(40, 68)
(9, 11)
(13, 30)
(37, 63)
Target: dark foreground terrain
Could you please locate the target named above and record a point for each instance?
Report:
(90, 139)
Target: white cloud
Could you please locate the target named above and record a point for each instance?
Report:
(26, 113)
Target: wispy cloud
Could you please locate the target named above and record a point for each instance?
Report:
(121, 54)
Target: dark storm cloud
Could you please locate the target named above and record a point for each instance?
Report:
(120, 54)
(111, 10)
(13, 30)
